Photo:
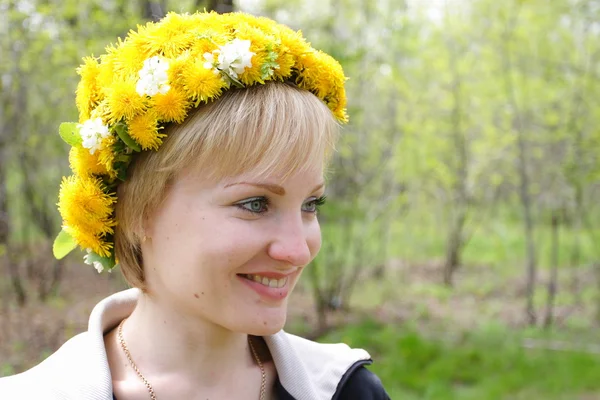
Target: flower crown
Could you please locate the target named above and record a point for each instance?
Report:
(155, 76)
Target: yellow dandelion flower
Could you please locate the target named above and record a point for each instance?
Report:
(83, 198)
(292, 40)
(83, 163)
(308, 70)
(124, 101)
(102, 111)
(89, 241)
(143, 129)
(259, 39)
(208, 19)
(177, 65)
(106, 74)
(254, 74)
(85, 208)
(205, 45)
(322, 85)
(172, 106)
(129, 60)
(286, 61)
(263, 47)
(171, 37)
(87, 92)
(319, 74)
(83, 94)
(201, 84)
(341, 115)
(139, 37)
(337, 104)
(262, 23)
(106, 155)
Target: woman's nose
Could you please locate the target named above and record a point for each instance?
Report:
(291, 243)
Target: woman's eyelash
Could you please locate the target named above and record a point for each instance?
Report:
(260, 205)
(264, 201)
(320, 200)
(317, 202)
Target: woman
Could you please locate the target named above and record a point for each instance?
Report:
(198, 168)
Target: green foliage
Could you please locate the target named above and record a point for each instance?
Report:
(106, 262)
(486, 364)
(121, 130)
(438, 95)
(497, 241)
(63, 245)
(70, 133)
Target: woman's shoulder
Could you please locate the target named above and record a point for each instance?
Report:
(360, 383)
(76, 368)
(309, 350)
(309, 369)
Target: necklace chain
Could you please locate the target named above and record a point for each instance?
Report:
(149, 386)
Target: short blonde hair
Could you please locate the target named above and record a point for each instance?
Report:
(271, 128)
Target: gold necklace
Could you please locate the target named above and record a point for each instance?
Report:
(149, 386)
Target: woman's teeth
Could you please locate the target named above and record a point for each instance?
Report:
(263, 280)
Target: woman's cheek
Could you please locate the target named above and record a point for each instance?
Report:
(314, 239)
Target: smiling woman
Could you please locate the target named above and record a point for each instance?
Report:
(198, 169)
(277, 130)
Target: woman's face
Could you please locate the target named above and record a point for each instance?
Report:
(230, 252)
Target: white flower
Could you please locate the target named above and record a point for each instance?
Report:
(232, 58)
(153, 77)
(92, 132)
(98, 265)
(210, 61)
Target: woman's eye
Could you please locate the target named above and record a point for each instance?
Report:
(260, 205)
(256, 205)
(312, 206)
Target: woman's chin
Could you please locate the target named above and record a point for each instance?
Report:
(267, 325)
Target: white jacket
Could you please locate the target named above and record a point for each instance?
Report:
(79, 369)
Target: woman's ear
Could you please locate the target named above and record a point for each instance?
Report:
(144, 231)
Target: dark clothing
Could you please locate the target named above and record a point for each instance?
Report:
(358, 383)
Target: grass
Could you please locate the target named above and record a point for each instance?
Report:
(466, 342)
(486, 364)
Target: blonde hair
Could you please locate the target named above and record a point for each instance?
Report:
(274, 128)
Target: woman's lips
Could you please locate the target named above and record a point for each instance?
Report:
(272, 286)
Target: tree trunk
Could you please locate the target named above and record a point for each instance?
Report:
(13, 105)
(455, 242)
(220, 6)
(528, 225)
(552, 282)
(575, 259)
(524, 184)
(454, 246)
(15, 278)
(153, 10)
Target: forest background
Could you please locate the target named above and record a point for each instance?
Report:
(461, 239)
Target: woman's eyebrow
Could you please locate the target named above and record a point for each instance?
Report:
(276, 189)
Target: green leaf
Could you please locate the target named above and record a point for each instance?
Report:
(232, 80)
(107, 262)
(122, 172)
(121, 130)
(69, 132)
(63, 245)
(270, 64)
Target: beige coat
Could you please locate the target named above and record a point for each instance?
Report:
(79, 369)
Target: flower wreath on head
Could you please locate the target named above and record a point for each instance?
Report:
(156, 75)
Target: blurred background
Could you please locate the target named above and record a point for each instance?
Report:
(461, 239)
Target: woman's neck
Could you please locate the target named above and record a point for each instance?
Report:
(162, 341)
